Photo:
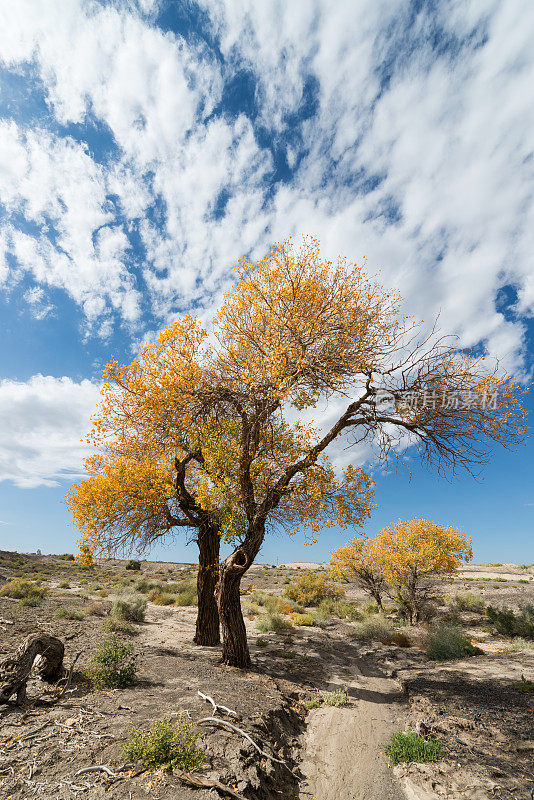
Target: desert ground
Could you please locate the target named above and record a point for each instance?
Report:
(480, 708)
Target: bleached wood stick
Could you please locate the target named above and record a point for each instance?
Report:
(97, 768)
(215, 705)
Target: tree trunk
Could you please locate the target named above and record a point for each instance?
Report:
(378, 597)
(235, 646)
(207, 627)
(15, 670)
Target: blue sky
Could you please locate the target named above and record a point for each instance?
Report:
(145, 145)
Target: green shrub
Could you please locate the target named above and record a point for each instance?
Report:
(517, 645)
(166, 745)
(445, 642)
(309, 588)
(524, 686)
(468, 601)
(337, 698)
(130, 607)
(302, 619)
(406, 747)
(187, 597)
(509, 623)
(133, 564)
(113, 665)
(25, 591)
(64, 585)
(114, 625)
(373, 628)
(272, 622)
(29, 593)
(66, 612)
(312, 704)
(338, 607)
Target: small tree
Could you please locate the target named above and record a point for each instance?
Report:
(412, 555)
(357, 560)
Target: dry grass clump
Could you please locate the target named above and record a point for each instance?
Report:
(274, 623)
(130, 607)
(374, 628)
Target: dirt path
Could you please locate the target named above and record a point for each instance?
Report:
(342, 757)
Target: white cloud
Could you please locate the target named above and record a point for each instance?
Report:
(415, 153)
(41, 424)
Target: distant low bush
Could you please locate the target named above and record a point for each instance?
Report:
(468, 601)
(166, 745)
(339, 607)
(66, 612)
(112, 666)
(272, 622)
(446, 642)
(64, 585)
(183, 593)
(97, 609)
(375, 628)
(130, 607)
(510, 623)
(408, 747)
(133, 564)
(26, 591)
(309, 588)
(302, 619)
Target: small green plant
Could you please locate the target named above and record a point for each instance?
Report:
(102, 593)
(133, 564)
(272, 622)
(130, 607)
(510, 623)
(302, 619)
(64, 585)
(407, 747)
(446, 642)
(166, 745)
(524, 686)
(337, 698)
(112, 666)
(67, 612)
(261, 642)
(115, 625)
(312, 704)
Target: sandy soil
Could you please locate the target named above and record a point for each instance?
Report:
(342, 750)
(485, 725)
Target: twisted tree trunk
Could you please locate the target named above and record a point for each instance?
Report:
(235, 651)
(15, 670)
(207, 626)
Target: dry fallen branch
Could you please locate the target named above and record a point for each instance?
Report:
(200, 783)
(217, 721)
(96, 768)
(215, 705)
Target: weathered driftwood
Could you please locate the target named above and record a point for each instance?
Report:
(15, 670)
